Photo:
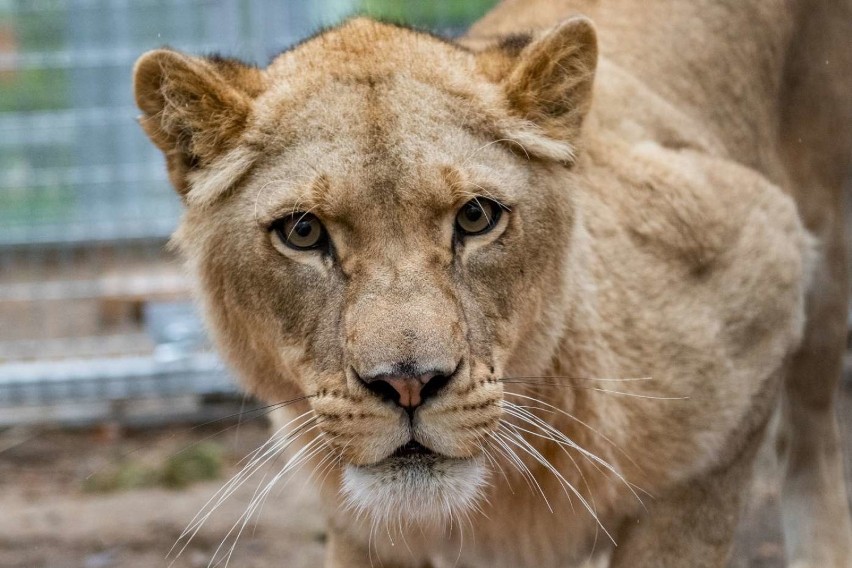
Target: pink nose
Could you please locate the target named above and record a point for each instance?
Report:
(407, 391)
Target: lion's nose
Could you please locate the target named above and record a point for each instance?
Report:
(407, 390)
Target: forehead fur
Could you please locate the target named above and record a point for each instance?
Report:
(362, 48)
(369, 53)
(363, 57)
(371, 104)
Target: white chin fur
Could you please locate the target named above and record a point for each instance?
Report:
(429, 490)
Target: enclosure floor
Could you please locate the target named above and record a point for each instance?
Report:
(47, 521)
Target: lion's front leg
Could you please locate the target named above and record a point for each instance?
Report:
(343, 552)
(692, 525)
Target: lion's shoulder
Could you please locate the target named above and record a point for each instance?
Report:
(694, 209)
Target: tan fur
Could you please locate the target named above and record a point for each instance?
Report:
(650, 265)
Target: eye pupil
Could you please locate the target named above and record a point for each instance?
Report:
(478, 216)
(303, 228)
(473, 212)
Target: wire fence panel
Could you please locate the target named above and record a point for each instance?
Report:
(92, 305)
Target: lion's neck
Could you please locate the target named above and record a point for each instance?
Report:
(579, 352)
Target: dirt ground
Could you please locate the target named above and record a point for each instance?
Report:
(49, 520)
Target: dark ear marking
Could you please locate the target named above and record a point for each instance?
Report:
(193, 108)
(515, 43)
(551, 82)
(547, 80)
(244, 76)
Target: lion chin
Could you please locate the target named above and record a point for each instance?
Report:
(423, 489)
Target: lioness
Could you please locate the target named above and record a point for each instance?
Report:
(532, 305)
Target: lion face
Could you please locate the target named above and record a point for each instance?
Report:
(381, 236)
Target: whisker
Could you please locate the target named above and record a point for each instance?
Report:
(296, 461)
(598, 389)
(374, 525)
(566, 485)
(323, 464)
(477, 150)
(573, 462)
(520, 465)
(637, 395)
(279, 448)
(264, 411)
(562, 438)
(571, 378)
(262, 455)
(493, 443)
(253, 497)
(561, 444)
(512, 458)
(491, 196)
(127, 453)
(257, 459)
(399, 529)
(273, 406)
(201, 516)
(240, 419)
(528, 448)
(335, 463)
(546, 407)
(496, 465)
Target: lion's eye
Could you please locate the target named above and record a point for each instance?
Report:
(301, 231)
(478, 216)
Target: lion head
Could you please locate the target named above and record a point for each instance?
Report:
(381, 222)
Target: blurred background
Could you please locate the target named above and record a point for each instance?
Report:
(117, 421)
(114, 411)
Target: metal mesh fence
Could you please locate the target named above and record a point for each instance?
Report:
(92, 306)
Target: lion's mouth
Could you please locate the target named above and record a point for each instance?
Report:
(412, 449)
(415, 483)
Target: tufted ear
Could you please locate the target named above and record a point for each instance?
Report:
(194, 109)
(548, 79)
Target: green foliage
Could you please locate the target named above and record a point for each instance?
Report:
(123, 477)
(23, 205)
(201, 462)
(33, 89)
(34, 32)
(428, 13)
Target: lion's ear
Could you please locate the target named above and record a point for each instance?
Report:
(549, 81)
(194, 109)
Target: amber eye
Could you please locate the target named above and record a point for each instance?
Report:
(301, 231)
(478, 216)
